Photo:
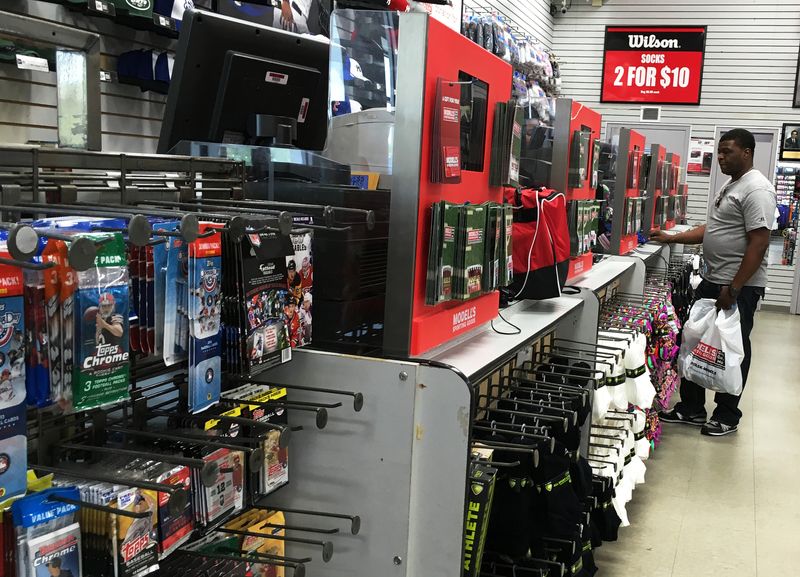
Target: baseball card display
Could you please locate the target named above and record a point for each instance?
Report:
(101, 368)
(300, 282)
(13, 434)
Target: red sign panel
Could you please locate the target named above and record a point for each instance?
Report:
(653, 65)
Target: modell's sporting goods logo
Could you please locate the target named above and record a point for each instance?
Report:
(652, 41)
(139, 4)
(8, 322)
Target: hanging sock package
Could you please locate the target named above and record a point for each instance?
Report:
(101, 368)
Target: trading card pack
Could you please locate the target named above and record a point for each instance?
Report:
(205, 316)
(226, 494)
(174, 529)
(160, 285)
(57, 553)
(275, 471)
(137, 552)
(176, 334)
(254, 317)
(101, 370)
(300, 274)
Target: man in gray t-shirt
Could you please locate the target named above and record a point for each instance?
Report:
(735, 242)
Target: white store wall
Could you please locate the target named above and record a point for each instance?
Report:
(748, 80)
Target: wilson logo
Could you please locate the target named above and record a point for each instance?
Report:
(652, 41)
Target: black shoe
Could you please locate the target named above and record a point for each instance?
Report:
(716, 429)
(673, 416)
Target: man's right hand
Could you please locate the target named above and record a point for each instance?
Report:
(661, 236)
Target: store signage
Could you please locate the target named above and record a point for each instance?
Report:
(654, 65)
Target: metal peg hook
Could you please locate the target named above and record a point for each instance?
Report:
(96, 507)
(355, 520)
(358, 398)
(178, 496)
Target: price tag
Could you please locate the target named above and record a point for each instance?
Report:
(25, 62)
(164, 22)
(102, 6)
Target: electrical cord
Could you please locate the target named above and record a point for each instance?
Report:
(505, 320)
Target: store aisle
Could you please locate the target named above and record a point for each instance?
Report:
(724, 506)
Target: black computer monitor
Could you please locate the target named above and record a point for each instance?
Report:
(230, 75)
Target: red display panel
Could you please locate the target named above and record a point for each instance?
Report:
(653, 65)
(582, 118)
(636, 147)
(449, 54)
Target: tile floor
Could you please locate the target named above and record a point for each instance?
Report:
(730, 506)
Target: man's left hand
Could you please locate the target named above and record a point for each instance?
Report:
(726, 300)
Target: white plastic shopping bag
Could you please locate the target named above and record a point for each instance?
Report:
(712, 351)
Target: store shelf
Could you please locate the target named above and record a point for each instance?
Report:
(480, 352)
(602, 274)
(649, 252)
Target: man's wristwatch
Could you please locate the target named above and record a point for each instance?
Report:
(734, 291)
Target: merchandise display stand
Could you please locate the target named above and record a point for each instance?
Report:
(629, 157)
(574, 118)
(425, 44)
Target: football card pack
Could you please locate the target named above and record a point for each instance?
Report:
(101, 370)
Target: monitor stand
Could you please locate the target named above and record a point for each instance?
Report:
(269, 130)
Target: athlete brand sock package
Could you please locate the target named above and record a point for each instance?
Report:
(506, 144)
(469, 252)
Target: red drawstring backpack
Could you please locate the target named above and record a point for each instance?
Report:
(540, 239)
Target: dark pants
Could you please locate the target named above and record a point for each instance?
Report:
(693, 397)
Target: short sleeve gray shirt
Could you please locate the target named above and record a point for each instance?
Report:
(744, 205)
